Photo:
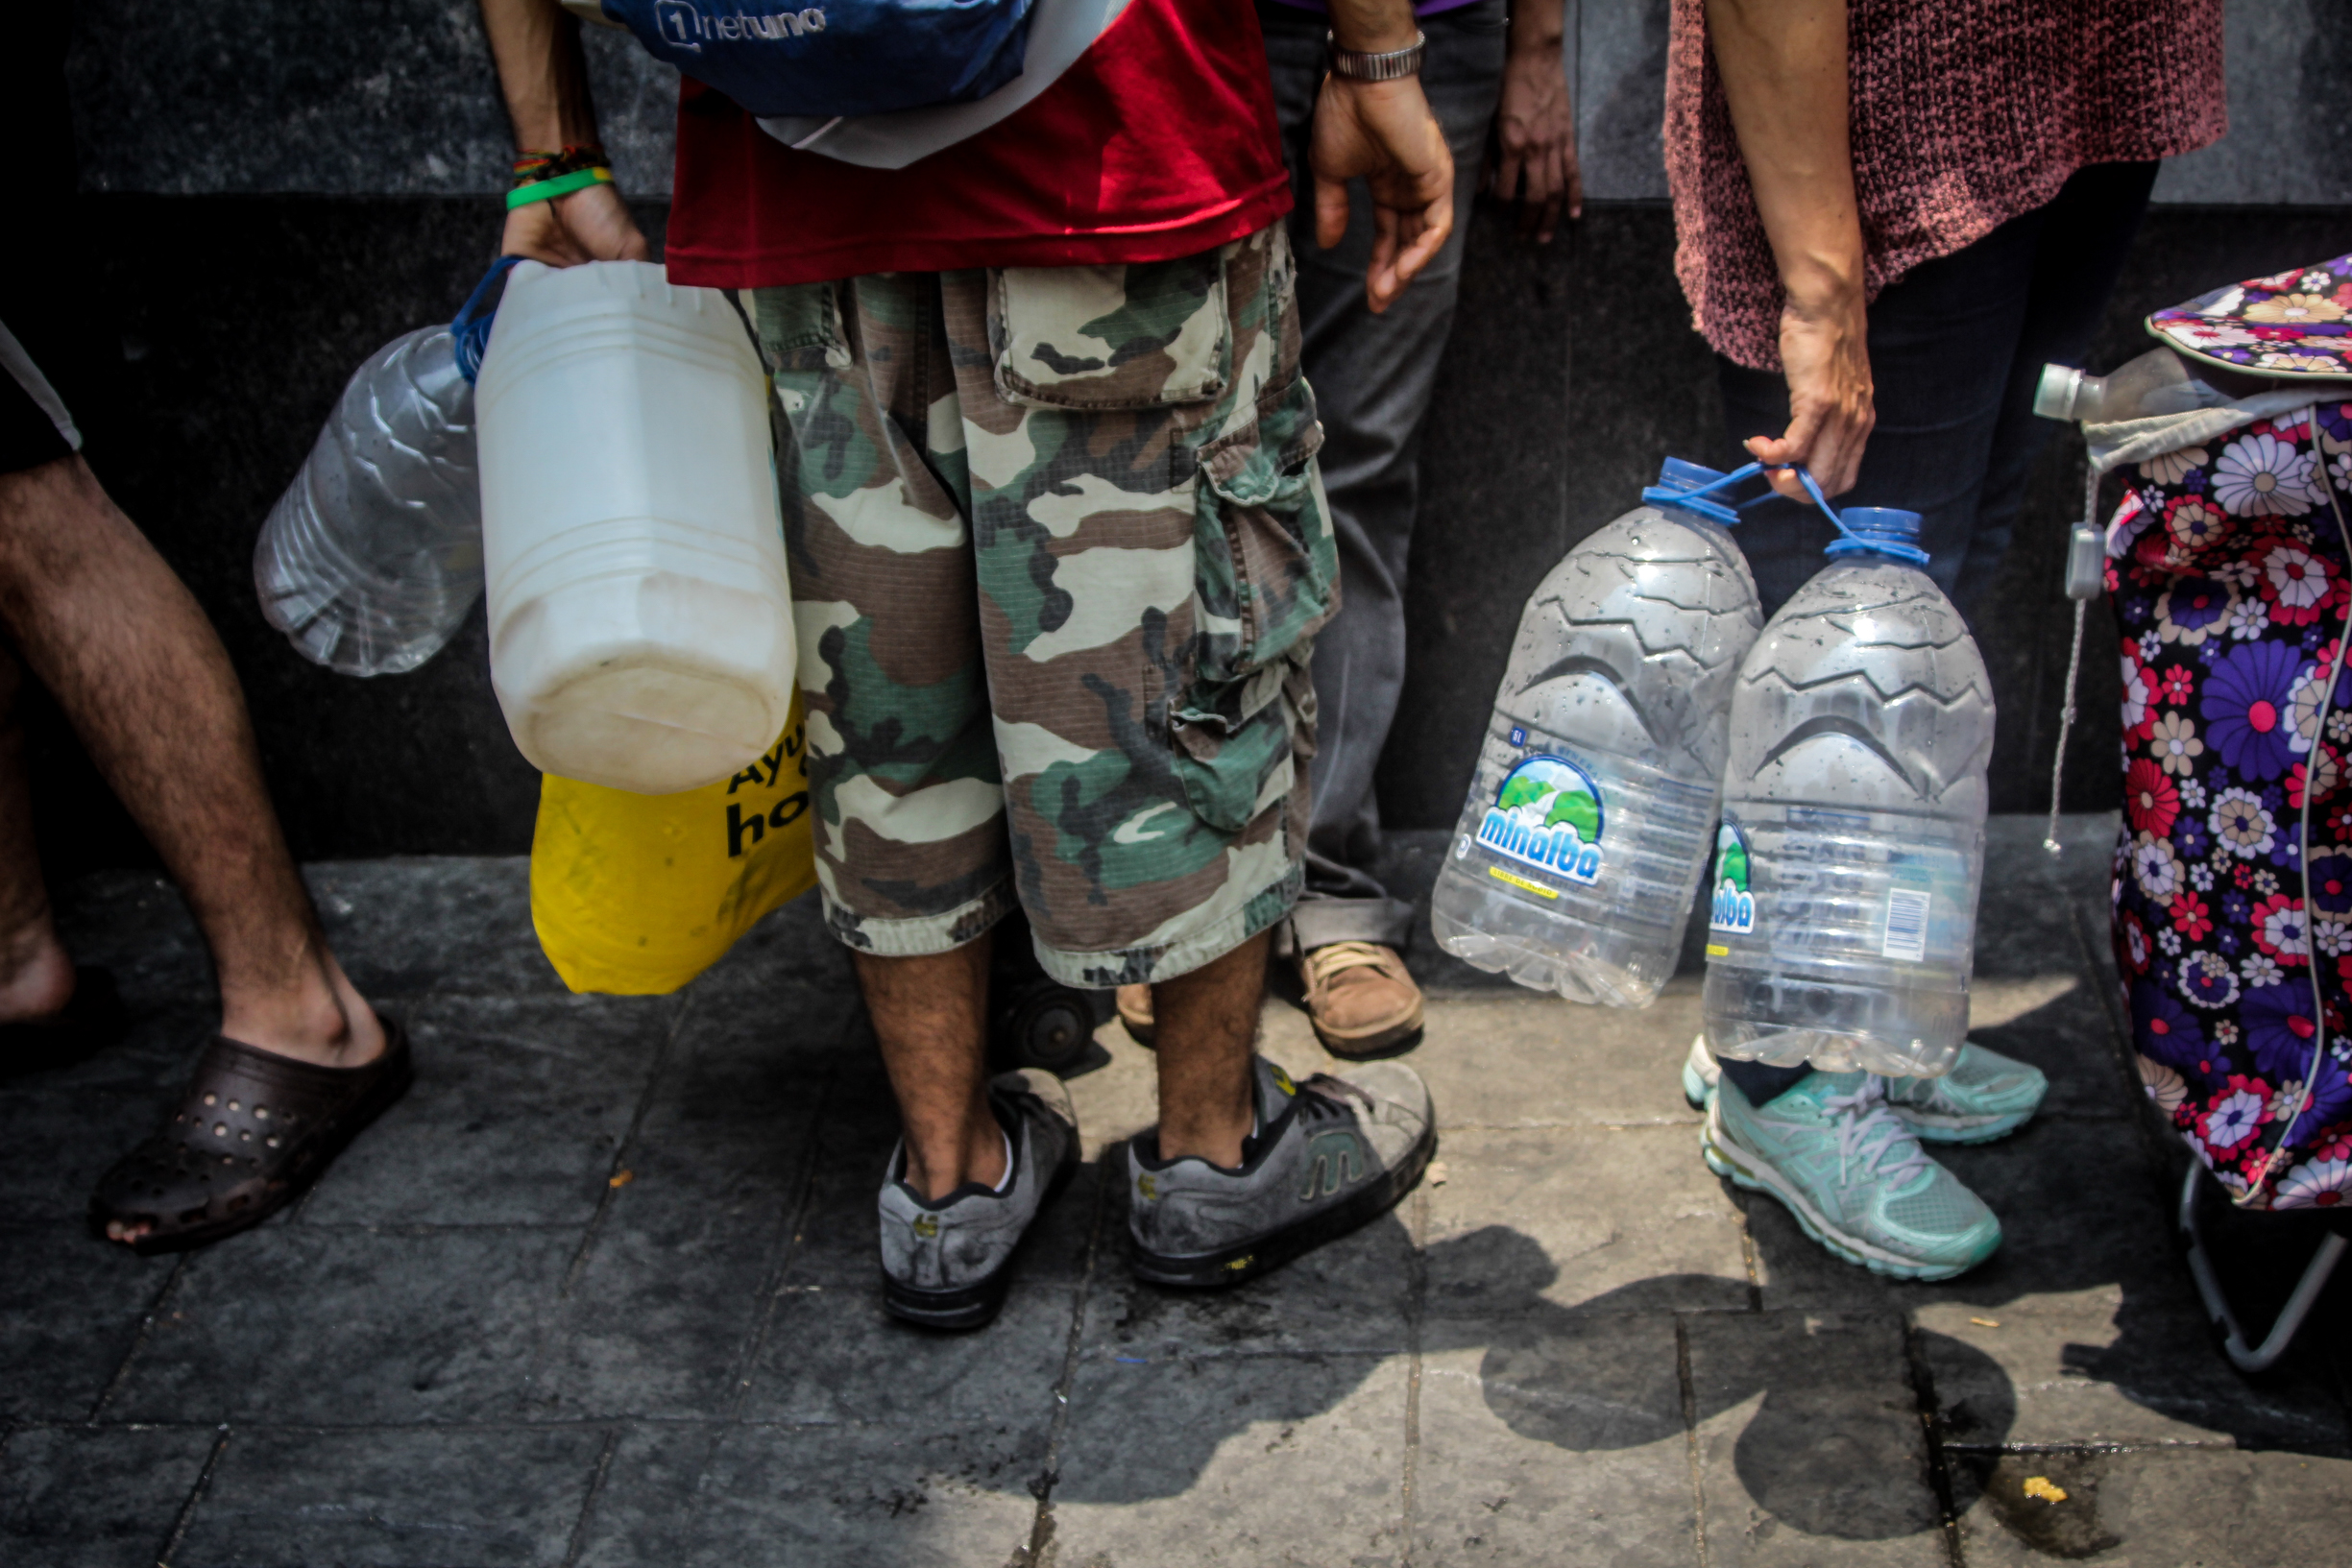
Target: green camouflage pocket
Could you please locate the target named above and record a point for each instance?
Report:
(1146, 336)
(1265, 568)
(1265, 577)
(1236, 744)
(799, 327)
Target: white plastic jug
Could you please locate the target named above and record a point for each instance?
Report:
(640, 619)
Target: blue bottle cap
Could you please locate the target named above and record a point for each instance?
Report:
(1881, 530)
(1678, 482)
(1676, 474)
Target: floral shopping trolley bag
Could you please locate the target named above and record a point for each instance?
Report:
(637, 894)
(2227, 564)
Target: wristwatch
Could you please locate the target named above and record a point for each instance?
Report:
(1386, 67)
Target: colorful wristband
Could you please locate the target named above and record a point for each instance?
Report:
(562, 184)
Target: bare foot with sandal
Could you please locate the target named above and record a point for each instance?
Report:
(301, 1063)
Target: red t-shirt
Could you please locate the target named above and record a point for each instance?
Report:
(1159, 142)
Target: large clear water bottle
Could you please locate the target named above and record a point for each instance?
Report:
(1588, 824)
(374, 555)
(1853, 838)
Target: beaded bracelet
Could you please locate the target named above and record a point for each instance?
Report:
(543, 177)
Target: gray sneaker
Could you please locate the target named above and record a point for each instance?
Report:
(947, 1264)
(1329, 1155)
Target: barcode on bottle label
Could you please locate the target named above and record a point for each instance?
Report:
(1906, 925)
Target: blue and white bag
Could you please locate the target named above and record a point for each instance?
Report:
(835, 57)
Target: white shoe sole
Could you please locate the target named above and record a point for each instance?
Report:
(1726, 1158)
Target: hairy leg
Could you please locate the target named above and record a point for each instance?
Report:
(1207, 1025)
(930, 1017)
(102, 621)
(37, 978)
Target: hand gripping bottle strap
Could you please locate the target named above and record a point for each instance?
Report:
(1878, 530)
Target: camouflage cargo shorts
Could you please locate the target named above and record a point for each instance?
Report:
(1058, 551)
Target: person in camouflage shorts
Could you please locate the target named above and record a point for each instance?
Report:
(1058, 551)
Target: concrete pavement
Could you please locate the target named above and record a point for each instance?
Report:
(602, 1291)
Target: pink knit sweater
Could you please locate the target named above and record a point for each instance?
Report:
(1966, 113)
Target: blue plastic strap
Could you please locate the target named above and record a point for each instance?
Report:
(471, 328)
(1696, 498)
(1848, 541)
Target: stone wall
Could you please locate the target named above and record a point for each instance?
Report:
(274, 189)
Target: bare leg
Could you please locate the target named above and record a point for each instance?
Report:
(37, 978)
(103, 623)
(1207, 1036)
(930, 1017)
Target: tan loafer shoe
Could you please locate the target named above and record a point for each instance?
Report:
(1136, 1012)
(1362, 999)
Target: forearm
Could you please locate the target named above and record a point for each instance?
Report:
(1782, 64)
(541, 72)
(1375, 27)
(1538, 26)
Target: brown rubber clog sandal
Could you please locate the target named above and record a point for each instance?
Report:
(253, 1129)
(91, 1020)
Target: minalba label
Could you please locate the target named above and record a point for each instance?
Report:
(1547, 814)
(1734, 906)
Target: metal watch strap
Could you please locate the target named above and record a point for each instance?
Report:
(1359, 67)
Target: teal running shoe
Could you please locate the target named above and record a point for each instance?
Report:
(1984, 1096)
(1852, 1171)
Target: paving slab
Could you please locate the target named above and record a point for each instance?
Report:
(105, 1498)
(418, 1498)
(469, 1345)
(1809, 1443)
(2159, 1509)
(519, 1108)
(1556, 1443)
(1600, 1219)
(831, 1356)
(443, 924)
(312, 1324)
(1248, 1460)
(2101, 1368)
(2079, 1205)
(659, 1318)
(662, 1307)
(1533, 1060)
(1354, 1295)
(67, 1125)
(830, 1497)
(70, 1310)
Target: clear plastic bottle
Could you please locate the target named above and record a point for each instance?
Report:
(1586, 826)
(1853, 840)
(2156, 382)
(374, 554)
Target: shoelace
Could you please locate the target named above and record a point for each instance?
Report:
(1869, 1131)
(1328, 962)
(1320, 1097)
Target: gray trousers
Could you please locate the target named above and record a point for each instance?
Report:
(1373, 377)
